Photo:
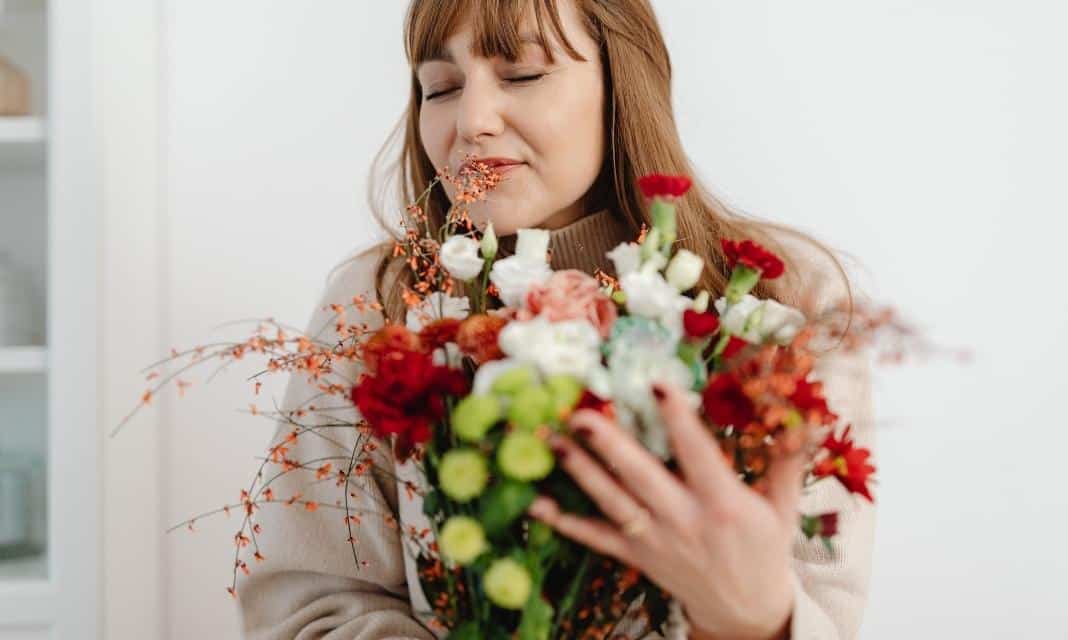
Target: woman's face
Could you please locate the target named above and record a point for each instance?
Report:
(548, 118)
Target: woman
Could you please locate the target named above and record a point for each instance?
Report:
(574, 96)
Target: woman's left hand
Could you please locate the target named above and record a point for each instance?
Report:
(721, 548)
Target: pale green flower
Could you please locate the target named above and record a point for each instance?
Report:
(522, 455)
(474, 416)
(507, 583)
(463, 473)
(462, 539)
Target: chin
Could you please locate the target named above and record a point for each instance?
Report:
(506, 220)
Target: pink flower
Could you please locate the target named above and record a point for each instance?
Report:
(571, 295)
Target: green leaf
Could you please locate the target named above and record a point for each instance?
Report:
(431, 503)
(537, 619)
(466, 631)
(503, 503)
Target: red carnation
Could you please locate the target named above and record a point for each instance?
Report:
(847, 463)
(753, 256)
(734, 345)
(405, 395)
(437, 333)
(809, 400)
(656, 184)
(699, 325)
(828, 524)
(725, 402)
(590, 400)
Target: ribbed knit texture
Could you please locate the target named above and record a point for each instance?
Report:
(583, 243)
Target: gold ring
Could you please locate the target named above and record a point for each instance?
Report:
(637, 524)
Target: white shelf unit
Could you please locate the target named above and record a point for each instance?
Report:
(22, 142)
(48, 414)
(15, 360)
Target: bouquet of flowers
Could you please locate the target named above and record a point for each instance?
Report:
(496, 353)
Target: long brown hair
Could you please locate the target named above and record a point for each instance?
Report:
(640, 131)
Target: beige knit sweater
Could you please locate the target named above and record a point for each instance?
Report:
(309, 586)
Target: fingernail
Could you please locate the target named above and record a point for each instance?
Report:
(658, 391)
(582, 430)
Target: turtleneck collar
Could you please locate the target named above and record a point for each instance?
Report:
(582, 244)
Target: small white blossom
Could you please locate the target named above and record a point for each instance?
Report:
(514, 275)
(758, 321)
(650, 296)
(626, 257)
(684, 270)
(436, 306)
(460, 256)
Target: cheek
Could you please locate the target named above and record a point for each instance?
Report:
(434, 135)
(570, 136)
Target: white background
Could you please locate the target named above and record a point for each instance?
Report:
(926, 138)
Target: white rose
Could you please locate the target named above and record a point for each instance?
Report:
(460, 256)
(758, 321)
(436, 306)
(570, 347)
(532, 244)
(684, 270)
(626, 257)
(649, 295)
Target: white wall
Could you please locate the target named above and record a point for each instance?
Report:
(924, 138)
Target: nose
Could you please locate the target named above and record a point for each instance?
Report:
(479, 111)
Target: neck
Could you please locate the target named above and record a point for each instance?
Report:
(582, 243)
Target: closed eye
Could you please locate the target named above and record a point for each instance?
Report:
(517, 80)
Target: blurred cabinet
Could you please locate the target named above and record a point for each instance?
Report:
(48, 446)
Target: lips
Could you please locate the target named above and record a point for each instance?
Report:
(496, 163)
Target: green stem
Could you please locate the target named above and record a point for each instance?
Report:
(572, 591)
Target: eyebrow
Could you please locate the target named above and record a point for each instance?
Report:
(446, 56)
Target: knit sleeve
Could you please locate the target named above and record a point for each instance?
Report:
(831, 589)
(309, 584)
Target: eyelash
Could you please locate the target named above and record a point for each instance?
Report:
(521, 79)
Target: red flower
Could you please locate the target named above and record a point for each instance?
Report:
(809, 400)
(847, 463)
(477, 337)
(590, 400)
(437, 333)
(753, 256)
(734, 345)
(725, 402)
(389, 338)
(656, 184)
(828, 524)
(405, 395)
(699, 325)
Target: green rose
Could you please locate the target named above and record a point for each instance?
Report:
(463, 473)
(474, 416)
(513, 381)
(566, 392)
(531, 407)
(462, 539)
(507, 583)
(524, 456)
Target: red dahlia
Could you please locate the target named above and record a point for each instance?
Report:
(753, 256)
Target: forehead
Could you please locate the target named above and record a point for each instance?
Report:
(490, 28)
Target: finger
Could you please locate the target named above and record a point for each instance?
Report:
(594, 533)
(703, 465)
(642, 473)
(785, 477)
(590, 475)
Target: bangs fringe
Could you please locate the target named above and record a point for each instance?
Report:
(498, 27)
